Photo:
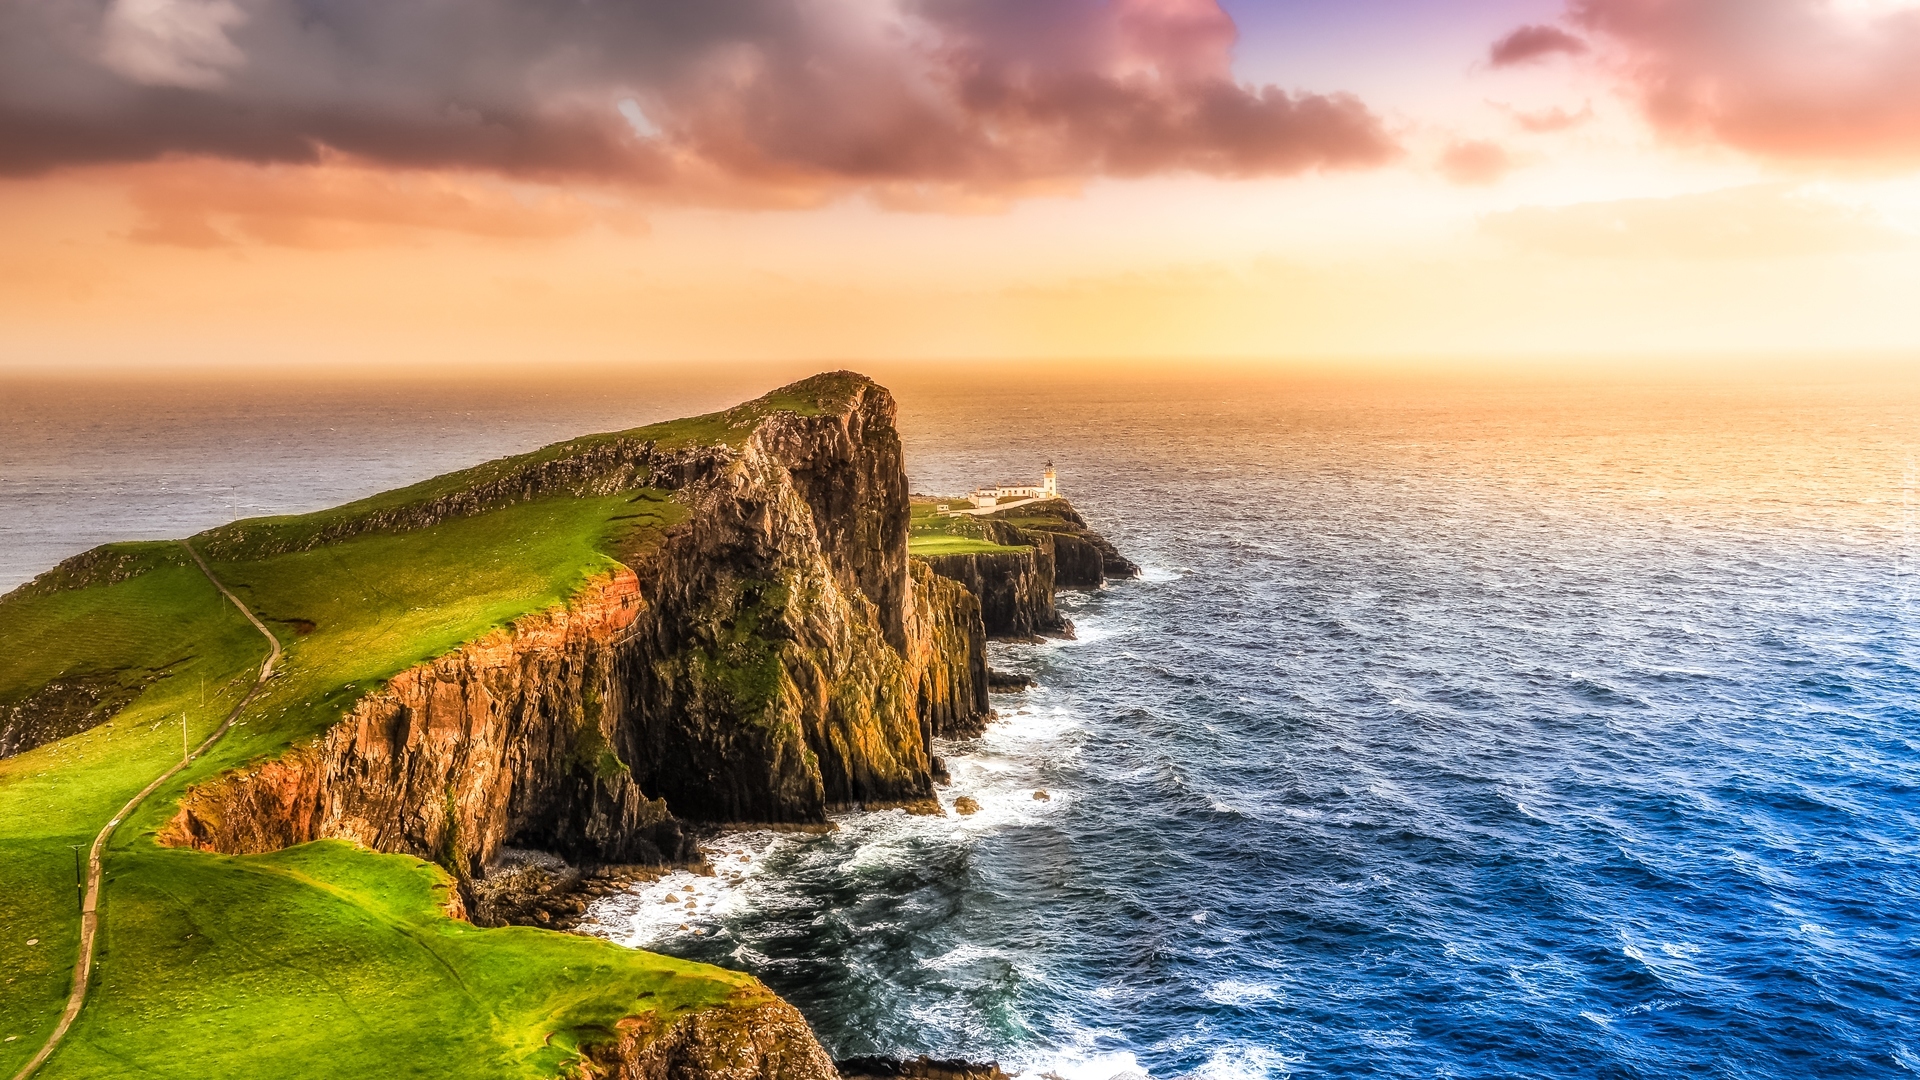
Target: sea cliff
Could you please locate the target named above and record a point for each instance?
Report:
(1017, 560)
(764, 659)
(762, 650)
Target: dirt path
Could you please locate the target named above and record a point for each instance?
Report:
(89, 915)
(983, 511)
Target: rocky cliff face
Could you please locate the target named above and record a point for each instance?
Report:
(767, 661)
(1083, 559)
(1015, 590)
(506, 740)
(950, 656)
(745, 1040)
(774, 656)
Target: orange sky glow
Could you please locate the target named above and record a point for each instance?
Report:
(1144, 180)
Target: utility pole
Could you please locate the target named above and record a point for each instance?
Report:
(79, 883)
(183, 738)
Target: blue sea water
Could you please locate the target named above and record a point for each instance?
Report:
(1452, 731)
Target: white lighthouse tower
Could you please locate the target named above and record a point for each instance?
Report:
(1049, 486)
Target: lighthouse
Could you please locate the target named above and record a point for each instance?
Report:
(1049, 487)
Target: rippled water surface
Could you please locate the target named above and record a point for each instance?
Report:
(1451, 732)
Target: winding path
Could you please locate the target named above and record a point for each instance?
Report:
(89, 914)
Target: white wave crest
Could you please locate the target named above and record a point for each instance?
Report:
(1241, 992)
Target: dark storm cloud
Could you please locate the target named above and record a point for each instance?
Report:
(750, 96)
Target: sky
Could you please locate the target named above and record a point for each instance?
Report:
(302, 184)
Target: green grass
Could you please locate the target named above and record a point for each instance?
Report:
(167, 620)
(325, 960)
(504, 481)
(954, 545)
(381, 603)
(930, 533)
(322, 960)
(377, 605)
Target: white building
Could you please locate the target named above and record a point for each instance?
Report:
(1047, 488)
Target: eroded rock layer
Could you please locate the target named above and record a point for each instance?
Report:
(757, 1040)
(768, 660)
(772, 655)
(1015, 589)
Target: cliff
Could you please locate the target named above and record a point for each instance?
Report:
(766, 658)
(950, 655)
(1014, 588)
(504, 740)
(580, 651)
(1014, 561)
(1083, 559)
(756, 1037)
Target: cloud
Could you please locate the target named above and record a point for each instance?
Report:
(1475, 163)
(336, 204)
(1805, 81)
(1757, 221)
(171, 42)
(1547, 121)
(1530, 43)
(753, 101)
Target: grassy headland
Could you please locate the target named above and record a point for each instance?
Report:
(323, 960)
(934, 534)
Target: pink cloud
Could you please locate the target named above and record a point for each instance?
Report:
(1808, 81)
(1475, 163)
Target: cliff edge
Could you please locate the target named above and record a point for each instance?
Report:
(764, 657)
(587, 650)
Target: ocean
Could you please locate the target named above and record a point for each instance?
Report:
(1453, 730)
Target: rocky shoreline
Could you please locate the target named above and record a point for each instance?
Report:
(776, 656)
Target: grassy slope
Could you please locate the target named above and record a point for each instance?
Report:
(62, 793)
(324, 960)
(208, 959)
(931, 534)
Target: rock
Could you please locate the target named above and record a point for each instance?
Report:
(770, 656)
(1015, 589)
(950, 655)
(940, 774)
(548, 733)
(1007, 681)
(754, 1036)
(920, 1068)
(517, 885)
(1042, 796)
